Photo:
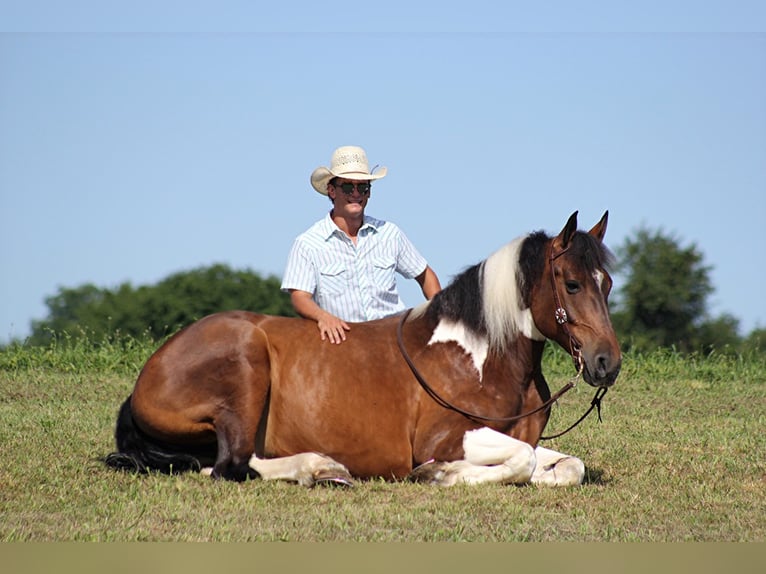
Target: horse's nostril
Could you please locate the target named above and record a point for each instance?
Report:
(601, 366)
(605, 369)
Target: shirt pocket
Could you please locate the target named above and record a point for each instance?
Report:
(333, 278)
(384, 274)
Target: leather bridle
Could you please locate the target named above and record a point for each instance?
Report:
(562, 319)
(561, 315)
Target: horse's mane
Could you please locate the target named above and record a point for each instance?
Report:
(492, 298)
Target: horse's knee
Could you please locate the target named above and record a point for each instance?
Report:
(485, 446)
(522, 464)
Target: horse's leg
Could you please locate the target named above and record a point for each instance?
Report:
(307, 469)
(236, 426)
(556, 469)
(236, 444)
(489, 456)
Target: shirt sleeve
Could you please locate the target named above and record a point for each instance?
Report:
(409, 263)
(299, 271)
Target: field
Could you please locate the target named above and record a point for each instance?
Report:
(679, 456)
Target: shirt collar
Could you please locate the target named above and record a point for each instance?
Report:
(329, 228)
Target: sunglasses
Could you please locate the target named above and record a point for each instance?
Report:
(363, 187)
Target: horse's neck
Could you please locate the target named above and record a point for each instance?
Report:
(521, 360)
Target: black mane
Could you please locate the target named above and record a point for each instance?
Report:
(461, 300)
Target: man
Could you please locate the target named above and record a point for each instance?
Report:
(343, 268)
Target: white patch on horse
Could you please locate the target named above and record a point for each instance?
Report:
(476, 346)
(490, 457)
(599, 277)
(557, 469)
(485, 446)
(494, 457)
(504, 312)
(528, 327)
(306, 468)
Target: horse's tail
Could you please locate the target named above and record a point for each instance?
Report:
(137, 452)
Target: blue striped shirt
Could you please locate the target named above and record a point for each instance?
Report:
(353, 282)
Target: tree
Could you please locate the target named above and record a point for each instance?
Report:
(160, 309)
(663, 301)
(755, 341)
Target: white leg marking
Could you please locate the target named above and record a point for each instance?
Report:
(305, 468)
(557, 469)
(463, 472)
(485, 446)
(490, 456)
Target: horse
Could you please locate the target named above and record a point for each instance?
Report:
(460, 399)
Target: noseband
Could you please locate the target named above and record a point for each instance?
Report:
(562, 319)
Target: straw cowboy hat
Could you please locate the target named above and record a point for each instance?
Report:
(348, 162)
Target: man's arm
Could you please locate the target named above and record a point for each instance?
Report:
(330, 326)
(429, 283)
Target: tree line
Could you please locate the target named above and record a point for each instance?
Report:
(663, 302)
(156, 311)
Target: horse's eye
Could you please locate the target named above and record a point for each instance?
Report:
(572, 287)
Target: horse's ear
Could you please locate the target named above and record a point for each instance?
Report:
(566, 234)
(599, 230)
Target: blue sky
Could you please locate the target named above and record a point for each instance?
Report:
(138, 139)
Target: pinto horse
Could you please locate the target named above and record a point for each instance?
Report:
(263, 396)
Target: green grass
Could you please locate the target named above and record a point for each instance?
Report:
(679, 456)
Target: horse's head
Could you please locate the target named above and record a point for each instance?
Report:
(569, 303)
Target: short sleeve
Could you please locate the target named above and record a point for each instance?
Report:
(299, 271)
(410, 263)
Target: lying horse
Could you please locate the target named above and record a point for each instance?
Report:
(452, 389)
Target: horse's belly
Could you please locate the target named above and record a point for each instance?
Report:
(369, 442)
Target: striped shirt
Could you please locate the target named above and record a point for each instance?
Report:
(356, 282)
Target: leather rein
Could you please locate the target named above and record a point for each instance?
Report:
(562, 319)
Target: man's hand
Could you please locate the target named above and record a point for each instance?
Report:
(331, 328)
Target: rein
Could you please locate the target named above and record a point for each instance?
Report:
(562, 319)
(448, 405)
(594, 404)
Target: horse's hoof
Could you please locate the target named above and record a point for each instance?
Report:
(430, 472)
(340, 481)
(333, 478)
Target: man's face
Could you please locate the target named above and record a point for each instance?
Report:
(349, 196)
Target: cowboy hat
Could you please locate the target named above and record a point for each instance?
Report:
(348, 162)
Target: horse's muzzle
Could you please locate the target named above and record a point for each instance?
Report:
(601, 370)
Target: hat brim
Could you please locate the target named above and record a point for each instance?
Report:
(322, 175)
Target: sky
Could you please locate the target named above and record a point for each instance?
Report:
(139, 139)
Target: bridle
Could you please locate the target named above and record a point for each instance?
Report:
(561, 315)
(562, 319)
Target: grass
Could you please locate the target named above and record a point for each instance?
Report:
(679, 457)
